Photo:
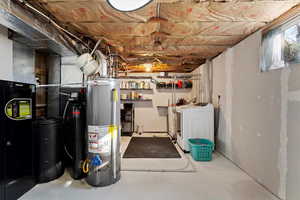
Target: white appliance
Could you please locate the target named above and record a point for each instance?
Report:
(194, 122)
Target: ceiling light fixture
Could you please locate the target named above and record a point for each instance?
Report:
(128, 6)
(148, 67)
(157, 42)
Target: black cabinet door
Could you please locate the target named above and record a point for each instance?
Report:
(1, 145)
(17, 100)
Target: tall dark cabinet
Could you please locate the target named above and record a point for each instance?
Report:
(127, 119)
(17, 102)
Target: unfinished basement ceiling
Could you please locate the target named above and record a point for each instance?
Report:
(181, 34)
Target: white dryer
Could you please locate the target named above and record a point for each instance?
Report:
(194, 122)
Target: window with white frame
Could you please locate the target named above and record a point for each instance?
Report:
(281, 46)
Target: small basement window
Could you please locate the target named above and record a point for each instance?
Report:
(281, 46)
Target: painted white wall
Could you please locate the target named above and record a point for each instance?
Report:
(23, 63)
(70, 73)
(6, 55)
(292, 99)
(259, 113)
(202, 83)
(222, 88)
(196, 90)
(17, 61)
(250, 112)
(148, 115)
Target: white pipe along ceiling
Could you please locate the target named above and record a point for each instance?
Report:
(181, 34)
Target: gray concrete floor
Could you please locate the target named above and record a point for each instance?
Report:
(216, 180)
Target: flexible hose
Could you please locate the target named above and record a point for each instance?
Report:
(67, 152)
(65, 110)
(85, 166)
(64, 117)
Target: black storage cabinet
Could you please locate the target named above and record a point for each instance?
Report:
(48, 149)
(17, 111)
(127, 119)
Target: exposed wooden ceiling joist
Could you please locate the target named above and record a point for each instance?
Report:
(167, 28)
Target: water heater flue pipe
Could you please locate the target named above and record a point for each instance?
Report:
(96, 46)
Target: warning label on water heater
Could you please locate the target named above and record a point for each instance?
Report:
(99, 140)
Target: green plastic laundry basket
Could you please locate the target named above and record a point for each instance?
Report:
(201, 149)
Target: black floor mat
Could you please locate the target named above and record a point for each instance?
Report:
(151, 147)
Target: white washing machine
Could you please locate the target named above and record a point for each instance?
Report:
(194, 122)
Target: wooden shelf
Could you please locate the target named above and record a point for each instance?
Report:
(173, 77)
(162, 107)
(136, 100)
(150, 89)
(134, 77)
(174, 88)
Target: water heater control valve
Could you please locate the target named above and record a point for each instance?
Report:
(96, 161)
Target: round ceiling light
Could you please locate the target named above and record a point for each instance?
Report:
(148, 67)
(127, 6)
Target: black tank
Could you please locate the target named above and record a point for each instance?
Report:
(48, 149)
(74, 133)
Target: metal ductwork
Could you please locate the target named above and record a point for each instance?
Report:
(33, 32)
